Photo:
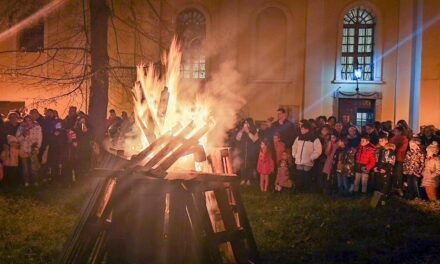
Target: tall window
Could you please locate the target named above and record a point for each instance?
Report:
(32, 38)
(191, 29)
(358, 44)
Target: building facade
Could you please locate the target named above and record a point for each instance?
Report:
(298, 54)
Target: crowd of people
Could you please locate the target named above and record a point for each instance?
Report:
(37, 148)
(338, 158)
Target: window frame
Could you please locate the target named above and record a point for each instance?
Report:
(194, 50)
(377, 47)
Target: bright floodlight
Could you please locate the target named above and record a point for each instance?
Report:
(358, 73)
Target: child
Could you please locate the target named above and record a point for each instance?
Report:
(35, 164)
(9, 156)
(413, 167)
(279, 147)
(343, 165)
(265, 165)
(431, 172)
(283, 180)
(365, 161)
(386, 159)
(329, 177)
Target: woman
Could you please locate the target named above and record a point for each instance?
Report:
(246, 139)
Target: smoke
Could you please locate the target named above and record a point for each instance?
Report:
(225, 94)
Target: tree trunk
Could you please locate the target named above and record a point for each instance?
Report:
(99, 14)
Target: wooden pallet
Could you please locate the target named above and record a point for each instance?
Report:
(141, 219)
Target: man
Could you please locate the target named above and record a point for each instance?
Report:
(284, 128)
(305, 150)
(70, 120)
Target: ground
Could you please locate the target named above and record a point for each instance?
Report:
(300, 228)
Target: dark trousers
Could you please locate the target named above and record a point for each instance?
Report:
(413, 186)
(303, 178)
(26, 170)
(11, 176)
(398, 176)
(246, 173)
(383, 182)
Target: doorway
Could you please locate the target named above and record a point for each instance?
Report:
(361, 111)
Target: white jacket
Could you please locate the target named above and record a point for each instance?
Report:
(306, 149)
(27, 140)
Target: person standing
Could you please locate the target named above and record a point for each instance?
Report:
(365, 161)
(284, 128)
(28, 134)
(413, 167)
(401, 141)
(246, 139)
(265, 166)
(386, 159)
(305, 150)
(431, 172)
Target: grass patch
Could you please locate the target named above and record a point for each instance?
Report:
(303, 228)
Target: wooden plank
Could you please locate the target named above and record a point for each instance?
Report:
(244, 222)
(238, 246)
(202, 227)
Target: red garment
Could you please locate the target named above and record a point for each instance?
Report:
(366, 155)
(401, 143)
(265, 164)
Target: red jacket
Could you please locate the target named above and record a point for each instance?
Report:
(401, 143)
(265, 164)
(366, 156)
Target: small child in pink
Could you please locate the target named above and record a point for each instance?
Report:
(283, 179)
(9, 157)
(265, 165)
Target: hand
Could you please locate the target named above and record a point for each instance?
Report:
(382, 171)
(376, 170)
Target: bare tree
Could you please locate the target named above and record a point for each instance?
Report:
(76, 62)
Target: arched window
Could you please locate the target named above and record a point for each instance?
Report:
(191, 29)
(358, 44)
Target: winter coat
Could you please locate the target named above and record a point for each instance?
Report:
(386, 159)
(330, 151)
(414, 163)
(401, 143)
(248, 151)
(283, 178)
(265, 164)
(366, 156)
(10, 157)
(431, 172)
(279, 148)
(306, 149)
(343, 161)
(28, 136)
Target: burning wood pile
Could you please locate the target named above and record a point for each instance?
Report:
(170, 202)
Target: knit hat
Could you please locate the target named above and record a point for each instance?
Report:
(11, 139)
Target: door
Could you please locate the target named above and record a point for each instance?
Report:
(361, 111)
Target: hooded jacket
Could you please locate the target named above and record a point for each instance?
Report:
(306, 149)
